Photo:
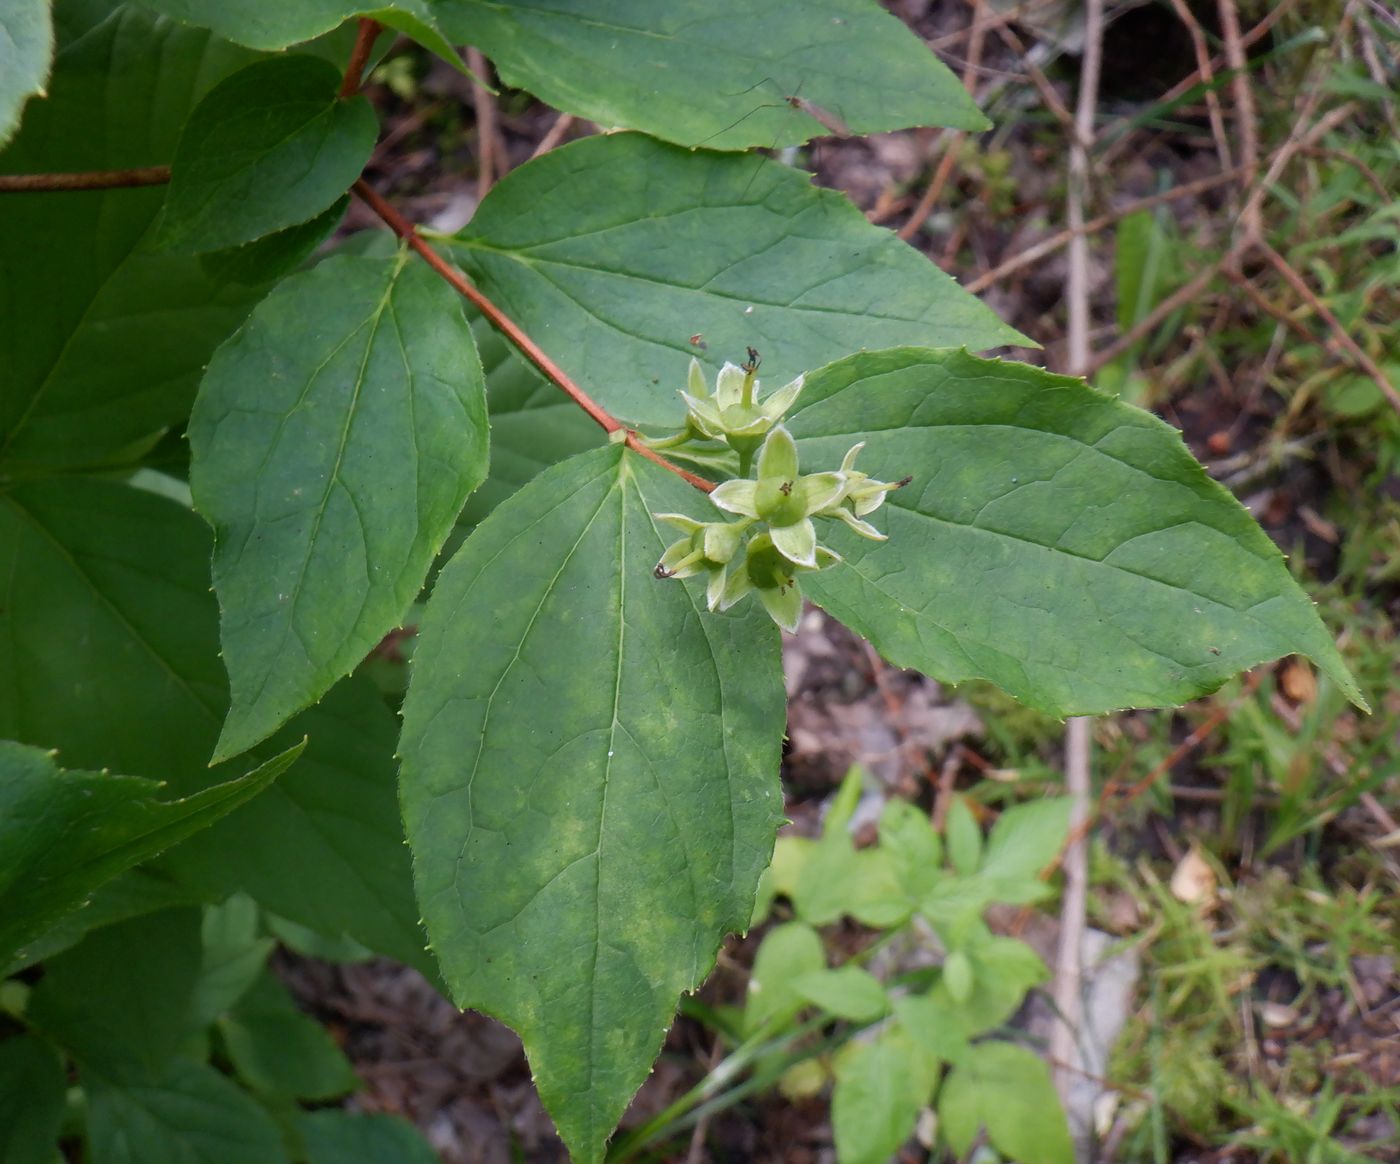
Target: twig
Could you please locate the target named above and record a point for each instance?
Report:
(490, 156)
(1250, 220)
(365, 37)
(1048, 246)
(503, 323)
(1358, 354)
(89, 180)
(951, 141)
(1203, 67)
(1069, 969)
(1145, 326)
(562, 124)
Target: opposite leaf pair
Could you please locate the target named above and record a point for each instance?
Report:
(778, 496)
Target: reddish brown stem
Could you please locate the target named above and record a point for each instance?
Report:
(512, 330)
(359, 56)
(89, 180)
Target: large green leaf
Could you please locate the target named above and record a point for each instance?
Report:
(1054, 540)
(32, 1089)
(589, 778)
(63, 834)
(614, 251)
(718, 74)
(108, 647)
(102, 337)
(334, 440)
(324, 845)
(26, 52)
(187, 1114)
(268, 148)
(120, 1001)
(261, 25)
(120, 578)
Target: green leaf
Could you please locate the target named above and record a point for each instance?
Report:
(26, 53)
(880, 1086)
(120, 999)
(63, 834)
(32, 1090)
(233, 957)
(1007, 1090)
(345, 1137)
(104, 338)
(276, 26)
(270, 147)
(131, 569)
(324, 845)
(591, 800)
(1025, 839)
(1060, 543)
(994, 975)
(964, 836)
(848, 992)
(915, 850)
(720, 76)
(787, 952)
(276, 255)
(187, 1114)
(278, 1051)
(334, 440)
(632, 246)
(136, 892)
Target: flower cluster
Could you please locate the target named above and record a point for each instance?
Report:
(772, 538)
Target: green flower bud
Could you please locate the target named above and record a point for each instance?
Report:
(860, 495)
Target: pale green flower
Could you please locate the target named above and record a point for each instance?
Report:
(773, 576)
(734, 412)
(707, 547)
(783, 497)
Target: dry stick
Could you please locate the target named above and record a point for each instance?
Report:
(950, 141)
(1250, 220)
(1038, 78)
(556, 133)
(1203, 67)
(1355, 350)
(89, 180)
(1067, 989)
(1183, 86)
(503, 323)
(1049, 246)
(359, 56)
(490, 156)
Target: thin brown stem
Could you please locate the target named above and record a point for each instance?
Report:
(513, 331)
(1037, 251)
(1250, 220)
(89, 180)
(1203, 66)
(1357, 353)
(490, 154)
(365, 37)
(952, 141)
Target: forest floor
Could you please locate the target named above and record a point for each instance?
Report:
(1241, 276)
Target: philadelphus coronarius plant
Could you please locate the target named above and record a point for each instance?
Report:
(772, 537)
